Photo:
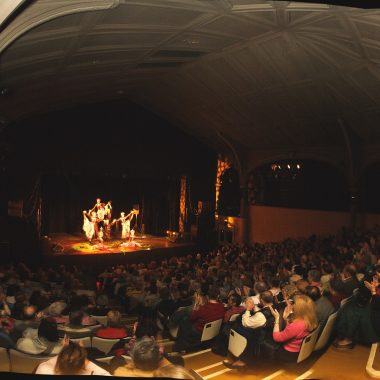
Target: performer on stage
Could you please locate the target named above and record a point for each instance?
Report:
(132, 235)
(99, 204)
(88, 225)
(125, 224)
(108, 210)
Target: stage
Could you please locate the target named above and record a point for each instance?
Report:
(66, 248)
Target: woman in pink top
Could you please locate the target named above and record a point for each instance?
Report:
(301, 320)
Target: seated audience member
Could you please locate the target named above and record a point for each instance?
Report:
(190, 330)
(55, 311)
(327, 274)
(146, 359)
(18, 306)
(374, 287)
(4, 307)
(299, 324)
(184, 307)
(144, 327)
(72, 360)
(323, 306)
(301, 286)
(75, 328)
(101, 308)
(44, 340)
(297, 274)
(29, 319)
(114, 328)
(5, 340)
(348, 280)
(258, 288)
(233, 307)
(335, 295)
(11, 292)
(314, 278)
(167, 306)
(39, 300)
(355, 324)
(185, 299)
(256, 325)
(275, 289)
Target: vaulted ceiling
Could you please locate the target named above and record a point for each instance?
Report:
(264, 74)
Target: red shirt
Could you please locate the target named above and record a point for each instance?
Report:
(111, 332)
(207, 313)
(233, 310)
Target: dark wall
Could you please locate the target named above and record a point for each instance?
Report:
(117, 151)
(315, 185)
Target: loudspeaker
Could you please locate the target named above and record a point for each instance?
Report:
(229, 195)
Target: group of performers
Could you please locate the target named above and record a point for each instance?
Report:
(97, 223)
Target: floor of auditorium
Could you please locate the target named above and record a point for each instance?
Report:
(332, 364)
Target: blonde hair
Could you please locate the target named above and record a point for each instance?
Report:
(71, 360)
(304, 309)
(173, 371)
(113, 318)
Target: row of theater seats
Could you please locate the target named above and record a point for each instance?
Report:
(15, 361)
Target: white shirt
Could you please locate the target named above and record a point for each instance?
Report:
(47, 368)
(255, 321)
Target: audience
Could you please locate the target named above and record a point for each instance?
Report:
(322, 270)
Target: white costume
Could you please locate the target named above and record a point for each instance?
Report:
(126, 228)
(88, 227)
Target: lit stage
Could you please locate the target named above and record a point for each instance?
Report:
(73, 248)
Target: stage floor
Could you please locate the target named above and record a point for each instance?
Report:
(74, 245)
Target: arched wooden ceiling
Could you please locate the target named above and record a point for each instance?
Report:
(266, 74)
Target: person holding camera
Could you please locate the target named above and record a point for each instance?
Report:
(301, 320)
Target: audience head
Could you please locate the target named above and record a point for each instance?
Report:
(266, 298)
(260, 286)
(349, 270)
(76, 318)
(301, 286)
(314, 275)
(114, 318)
(146, 354)
(102, 300)
(327, 268)
(234, 300)
(29, 313)
(313, 292)
(289, 291)
(56, 308)
(213, 293)
(71, 360)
